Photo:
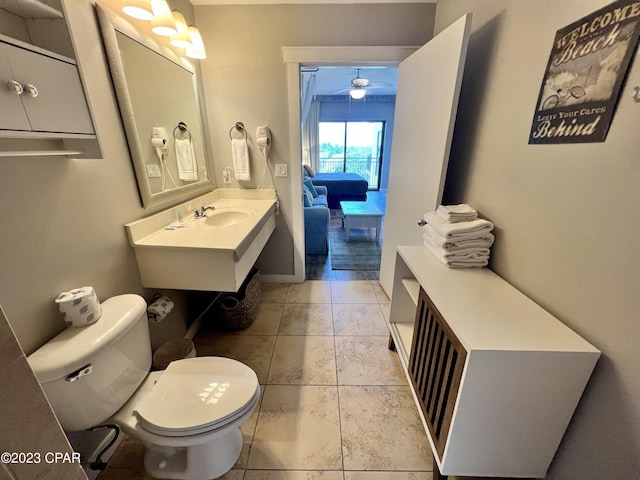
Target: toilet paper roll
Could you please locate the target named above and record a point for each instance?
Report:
(158, 310)
(79, 306)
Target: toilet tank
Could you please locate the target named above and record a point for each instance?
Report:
(88, 373)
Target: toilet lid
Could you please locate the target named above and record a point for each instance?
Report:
(197, 395)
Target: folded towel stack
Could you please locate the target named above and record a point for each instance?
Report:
(457, 237)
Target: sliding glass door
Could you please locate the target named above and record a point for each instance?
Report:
(354, 147)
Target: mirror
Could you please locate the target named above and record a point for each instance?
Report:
(157, 96)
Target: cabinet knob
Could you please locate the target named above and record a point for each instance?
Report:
(14, 86)
(31, 89)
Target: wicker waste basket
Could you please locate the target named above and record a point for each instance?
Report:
(239, 310)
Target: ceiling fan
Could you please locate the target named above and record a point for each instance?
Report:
(360, 85)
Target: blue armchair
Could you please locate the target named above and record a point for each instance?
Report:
(316, 224)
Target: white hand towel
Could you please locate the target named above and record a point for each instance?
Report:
(458, 231)
(462, 262)
(186, 159)
(457, 213)
(480, 241)
(240, 154)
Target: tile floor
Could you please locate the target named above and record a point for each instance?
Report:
(335, 402)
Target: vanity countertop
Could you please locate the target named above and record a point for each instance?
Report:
(257, 208)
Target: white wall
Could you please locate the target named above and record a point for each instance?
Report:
(565, 215)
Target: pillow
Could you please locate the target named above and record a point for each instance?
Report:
(309, 170)
(309, 184)
(307, 197)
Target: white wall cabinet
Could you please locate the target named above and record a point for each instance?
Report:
(44, 109)
(495, 377)
(43, 94)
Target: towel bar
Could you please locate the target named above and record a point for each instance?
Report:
(239, 127)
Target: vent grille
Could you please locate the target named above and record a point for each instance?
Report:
(435, 366)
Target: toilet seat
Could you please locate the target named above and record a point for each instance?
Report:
(197, 395)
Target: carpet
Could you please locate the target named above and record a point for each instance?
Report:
(361, 252)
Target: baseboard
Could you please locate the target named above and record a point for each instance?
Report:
(280, 278)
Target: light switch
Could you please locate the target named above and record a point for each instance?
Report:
(153, 171)
(226, 176)
(281, 169)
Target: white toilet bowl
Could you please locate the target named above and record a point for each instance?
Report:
(184, 437)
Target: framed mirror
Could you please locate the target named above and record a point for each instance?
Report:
(158, 99)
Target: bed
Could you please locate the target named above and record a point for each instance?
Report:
(342, 186)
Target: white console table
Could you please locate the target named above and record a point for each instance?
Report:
(496, 378)
(361, 215)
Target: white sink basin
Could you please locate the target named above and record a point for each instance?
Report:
(225, 217)
(214, 253)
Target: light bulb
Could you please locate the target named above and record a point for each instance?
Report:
(182, 39)
(140, 9)
(162, 23)
(197, 49)
(357, 93)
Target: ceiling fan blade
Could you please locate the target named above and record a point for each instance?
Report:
(380, 85)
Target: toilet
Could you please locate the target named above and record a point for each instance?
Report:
(188, 416)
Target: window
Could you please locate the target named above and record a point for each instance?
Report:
(354, 147)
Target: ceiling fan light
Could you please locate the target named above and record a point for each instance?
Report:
(140, 9)
(183, 38)
(197, 45)
(357, 93)
(162, 23)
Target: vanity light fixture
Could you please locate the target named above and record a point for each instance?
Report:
(167, 23)
(183, 38)
(162, 22)
(197, 45)
(140, 9)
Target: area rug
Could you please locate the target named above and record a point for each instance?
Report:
(361, 252)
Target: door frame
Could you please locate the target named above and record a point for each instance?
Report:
(294, 58)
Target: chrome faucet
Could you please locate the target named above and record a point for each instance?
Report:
(199, 213)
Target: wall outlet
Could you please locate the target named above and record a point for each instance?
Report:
(281, 169)
(153, 171)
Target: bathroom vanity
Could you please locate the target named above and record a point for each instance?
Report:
(495, 377)
(211, 253)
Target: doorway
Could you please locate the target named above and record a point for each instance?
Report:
(295, 58)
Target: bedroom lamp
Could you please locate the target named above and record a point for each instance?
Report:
(183, 38)
(196, 50)
(162, 22)
(140, 9)
(357, 93)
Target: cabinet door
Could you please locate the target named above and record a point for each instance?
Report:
(12, 114)
(60, 105)
(435, 367)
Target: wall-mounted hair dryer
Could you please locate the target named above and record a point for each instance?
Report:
(263, 139)
(159, 141)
